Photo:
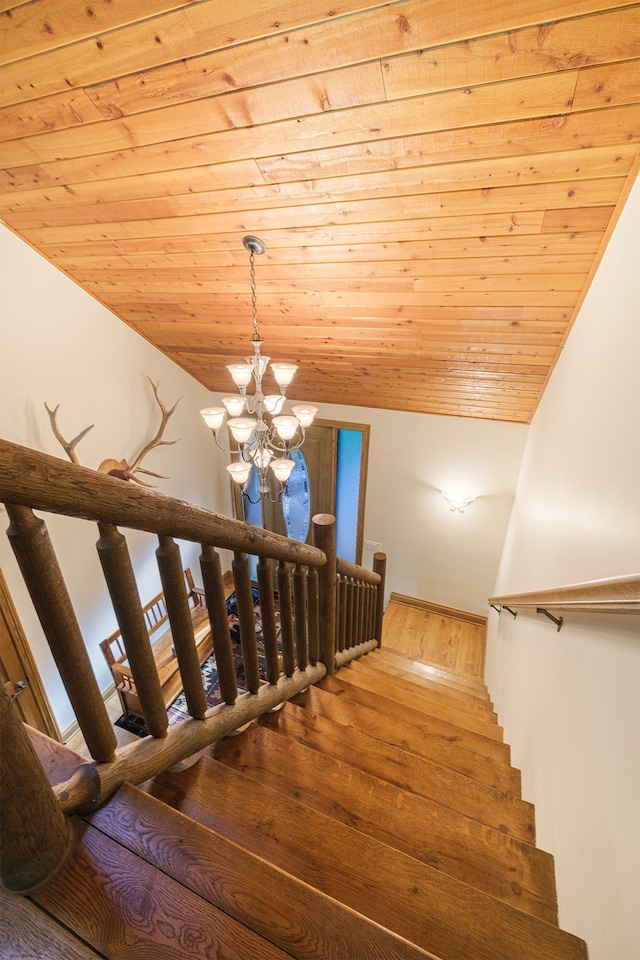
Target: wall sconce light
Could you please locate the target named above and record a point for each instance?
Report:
(458, 500)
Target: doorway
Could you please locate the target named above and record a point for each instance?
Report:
(331, 477)
(18, 670)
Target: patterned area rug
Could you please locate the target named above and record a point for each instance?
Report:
(177, 711)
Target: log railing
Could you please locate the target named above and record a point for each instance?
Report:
(330, 613)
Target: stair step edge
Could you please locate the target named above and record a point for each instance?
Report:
(473, 687)
(480, 856)
(276, 899)
(472, 798)
(430, 687)
(461, 921)
(377, 685)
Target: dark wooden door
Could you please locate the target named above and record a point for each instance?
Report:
(319, 451)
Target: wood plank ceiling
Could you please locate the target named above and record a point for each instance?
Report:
(435, 180)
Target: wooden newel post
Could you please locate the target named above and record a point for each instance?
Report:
(324, 537)
(379, 567)
(35, 837)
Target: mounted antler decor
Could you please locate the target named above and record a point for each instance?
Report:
(120, 468)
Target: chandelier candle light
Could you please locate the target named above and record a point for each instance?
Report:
(261, 442)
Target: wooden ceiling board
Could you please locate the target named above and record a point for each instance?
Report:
(435, 181)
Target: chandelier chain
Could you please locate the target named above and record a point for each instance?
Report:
(252, 271)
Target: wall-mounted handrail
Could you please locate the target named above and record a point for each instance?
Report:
(613, 595)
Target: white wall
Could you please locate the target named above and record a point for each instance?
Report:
(432, 553)
(569, 701)
(59, 345)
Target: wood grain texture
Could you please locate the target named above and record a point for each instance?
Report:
(431, 172)
(377, 682)
(484, 858)
(282, 909)
(425, 905)
(436, 638)
(27, 931)
(124, 908)
(479, 757)
(303, 720)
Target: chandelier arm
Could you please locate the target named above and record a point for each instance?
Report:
(265, 496)
(303, 436)
(286, 445)
(219, 445)
(247, 497)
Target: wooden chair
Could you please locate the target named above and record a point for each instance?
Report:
(156, 620)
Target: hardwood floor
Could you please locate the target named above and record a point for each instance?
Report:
(425, 632)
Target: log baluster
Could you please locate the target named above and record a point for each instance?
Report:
(35, 837)
(357, 597)
(268, 617)
(121, 583)
(360, 589)
(219, 620)
(371, 612)
(324, 537)
(341, 615)
(300, 620)
(177, 602)
(247, 621)
(351, 615)
(314, 616)
(36, 558)
(379, 567)
(286, 618)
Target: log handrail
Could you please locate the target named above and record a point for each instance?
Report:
(613, 595)
(355, 572)
(309, 608)
(43, 482)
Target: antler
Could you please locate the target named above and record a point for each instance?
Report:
(130, 471)
(69, 445)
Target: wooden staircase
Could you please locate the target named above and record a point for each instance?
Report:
(374, 816)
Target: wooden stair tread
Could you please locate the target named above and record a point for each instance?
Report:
(27, 931)
(442, 914)
(463, 848)
(479, 757)
(431, 691)
(407, 770)
(124, 908)
(277, 906)
(457, 681)
(422, 675)
(360, 674)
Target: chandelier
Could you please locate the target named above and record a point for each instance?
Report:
(264, 438)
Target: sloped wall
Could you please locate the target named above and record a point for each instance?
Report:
(569, 701)
(59, 345)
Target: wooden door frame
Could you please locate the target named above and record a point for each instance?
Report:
(17, 664)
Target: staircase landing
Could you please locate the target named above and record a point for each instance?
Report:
(440, 636)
